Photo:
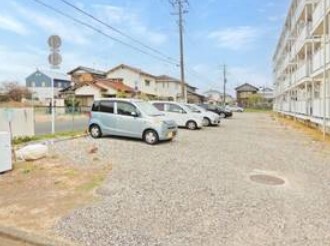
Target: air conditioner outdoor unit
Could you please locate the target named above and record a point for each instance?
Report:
(5, 152)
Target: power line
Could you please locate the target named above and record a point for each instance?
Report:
(103, 33)
(116, 30)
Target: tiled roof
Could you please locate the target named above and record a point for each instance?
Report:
(88, 70)
(116, 84)
(55, 75)
(134, 69)
(246, 87)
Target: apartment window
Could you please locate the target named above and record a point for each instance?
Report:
(317, 91)
(106, 107)
(147, 82)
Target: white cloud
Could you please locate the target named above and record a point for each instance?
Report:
(249, 74)
(236, 38)
(129, 22)
(54, 25)
(10, 24)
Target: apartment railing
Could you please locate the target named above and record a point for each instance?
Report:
(318, 58)
(318, 14)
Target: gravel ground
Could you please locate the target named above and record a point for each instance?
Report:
(197, 191)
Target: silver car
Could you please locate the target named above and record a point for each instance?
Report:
(130, 118)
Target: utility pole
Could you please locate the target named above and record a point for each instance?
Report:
(224, 84)
(179, 4)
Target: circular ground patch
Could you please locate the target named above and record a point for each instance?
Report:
(267, 179)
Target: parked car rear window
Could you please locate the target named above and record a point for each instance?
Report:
(159, 106)
(96, 107)
(107, 107)
(125, 108)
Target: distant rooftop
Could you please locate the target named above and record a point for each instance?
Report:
(88, 70)
(55, 75)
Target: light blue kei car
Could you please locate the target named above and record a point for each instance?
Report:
(130, 118)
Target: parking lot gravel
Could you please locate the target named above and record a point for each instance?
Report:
(197, 189)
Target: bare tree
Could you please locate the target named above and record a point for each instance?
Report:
(15, 91)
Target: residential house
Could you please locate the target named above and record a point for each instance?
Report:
(169, 88)
(81, 75)
(86, 93)
(266, 93)
(40, 84)
(141, 81)
(217, 97)
(299, 64)
(193, 96)
(244, 92)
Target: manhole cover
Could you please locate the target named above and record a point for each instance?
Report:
(267, 179)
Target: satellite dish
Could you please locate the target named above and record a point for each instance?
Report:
(54, 42)
(55, 59)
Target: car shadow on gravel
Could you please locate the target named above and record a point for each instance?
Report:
(120, 138)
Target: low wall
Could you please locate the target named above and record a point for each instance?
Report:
(22, 121)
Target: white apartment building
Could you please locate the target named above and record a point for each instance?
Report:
(301, 63)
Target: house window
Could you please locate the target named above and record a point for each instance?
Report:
(168, 85)
(147, 82)
(163, 84)
(33, 84)
(43, 84)
(59, 85)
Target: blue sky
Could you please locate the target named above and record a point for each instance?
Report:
(240, 33)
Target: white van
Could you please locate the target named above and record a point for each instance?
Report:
(182, 115)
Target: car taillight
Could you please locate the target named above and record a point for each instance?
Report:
(89, 114)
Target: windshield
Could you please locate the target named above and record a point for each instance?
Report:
(193, 108)
(199, 108)
(148, 109)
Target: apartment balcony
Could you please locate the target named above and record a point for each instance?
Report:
(318, 14)
(318, 58)
(302, 37)
(286, 83)
(302, 72)
(300, 9)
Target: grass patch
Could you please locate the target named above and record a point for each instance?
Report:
(23, 140)
(312, 132)
(95, 182)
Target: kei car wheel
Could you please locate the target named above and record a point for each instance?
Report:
(95, 131)
(150, 137)
(206, 122)
(222, 115)
(191, 125)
